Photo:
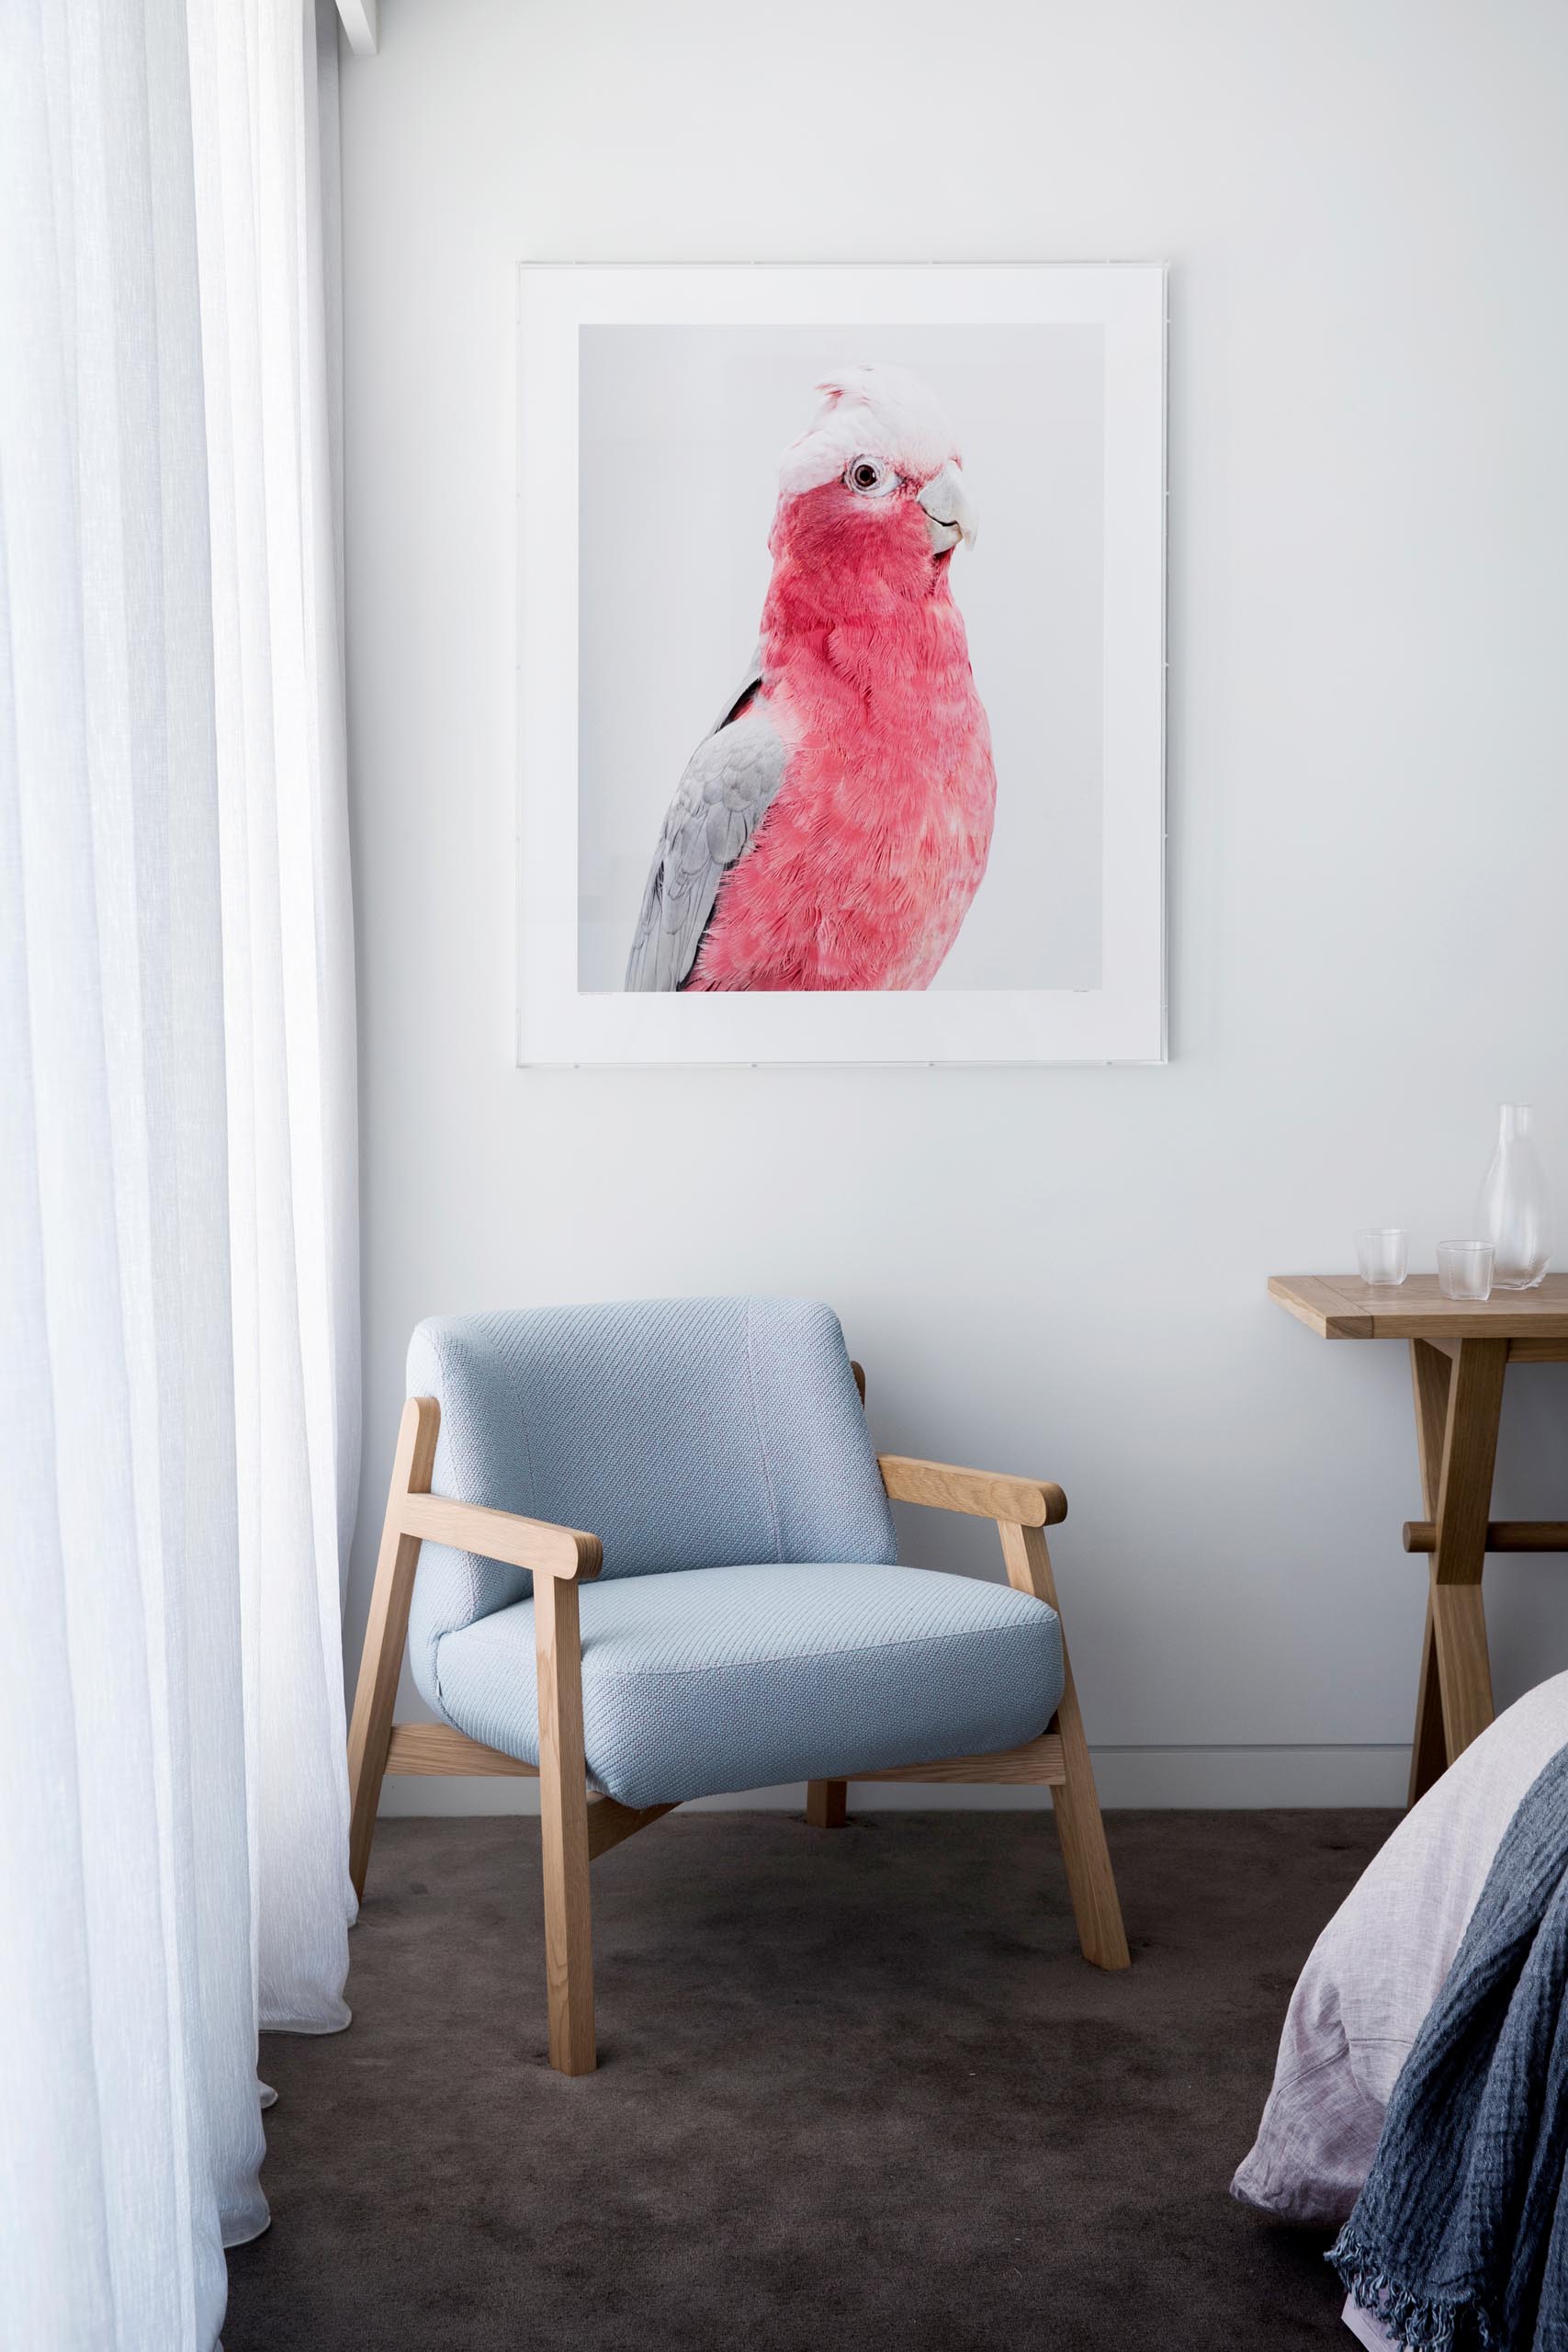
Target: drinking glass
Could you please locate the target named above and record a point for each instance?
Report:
(1383, 1253)
(1464, 1269)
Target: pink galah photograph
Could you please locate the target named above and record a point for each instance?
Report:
(841, 654)
(832, 831)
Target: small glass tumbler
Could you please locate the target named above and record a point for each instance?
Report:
(1383, 1253)
(1464, 1269)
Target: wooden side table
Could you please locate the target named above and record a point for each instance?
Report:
(1460, 1349)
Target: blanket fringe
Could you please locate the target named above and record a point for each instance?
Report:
(1416, 2323)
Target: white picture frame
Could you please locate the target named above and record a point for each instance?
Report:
(1120, 1014)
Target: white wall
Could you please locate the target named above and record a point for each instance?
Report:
(1366, 209)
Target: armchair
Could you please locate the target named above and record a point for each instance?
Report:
(736, 1618)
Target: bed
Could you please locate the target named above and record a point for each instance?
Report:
(1375, 1971)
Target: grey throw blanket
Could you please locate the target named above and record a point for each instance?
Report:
(1459, 2237)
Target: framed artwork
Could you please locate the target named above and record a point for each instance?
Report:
(841, 664)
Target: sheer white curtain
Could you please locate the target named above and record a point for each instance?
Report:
(178, 1341)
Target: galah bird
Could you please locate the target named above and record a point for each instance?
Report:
(832, 829)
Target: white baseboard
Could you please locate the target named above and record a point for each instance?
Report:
(1218, 1777)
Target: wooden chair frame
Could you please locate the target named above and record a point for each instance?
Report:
(576, 1826)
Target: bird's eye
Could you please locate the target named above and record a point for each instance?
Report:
(870, 477)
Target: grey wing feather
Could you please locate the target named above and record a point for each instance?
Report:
(729, 783)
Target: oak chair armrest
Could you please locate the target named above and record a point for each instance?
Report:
(983, 1493)
(564, 1552)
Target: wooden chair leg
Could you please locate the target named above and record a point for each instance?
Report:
(826, 1802)
(1090, 1882)
(563, 1827)
(1076, 1803)
(381, 1660)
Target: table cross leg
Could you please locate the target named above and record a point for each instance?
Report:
(1429, 1379)
(1458, 1407)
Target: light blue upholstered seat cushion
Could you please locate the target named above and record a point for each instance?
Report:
(717, 1679)
(683, 1432)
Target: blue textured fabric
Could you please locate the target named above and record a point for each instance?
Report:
(738, 1678)
(685, 1434)
(1459, 2235)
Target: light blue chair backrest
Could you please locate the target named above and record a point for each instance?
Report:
(685, 1434)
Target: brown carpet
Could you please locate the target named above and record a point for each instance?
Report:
(856, 2089)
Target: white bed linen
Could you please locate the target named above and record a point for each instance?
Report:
(1366, 2329)
(1378, 1966)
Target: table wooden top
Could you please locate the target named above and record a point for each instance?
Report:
(1342, 1307)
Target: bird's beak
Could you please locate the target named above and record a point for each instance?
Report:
(949, 515)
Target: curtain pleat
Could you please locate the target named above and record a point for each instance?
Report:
(179, 1336)
(289, 974)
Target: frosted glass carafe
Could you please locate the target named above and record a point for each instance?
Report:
(1513, 1212)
